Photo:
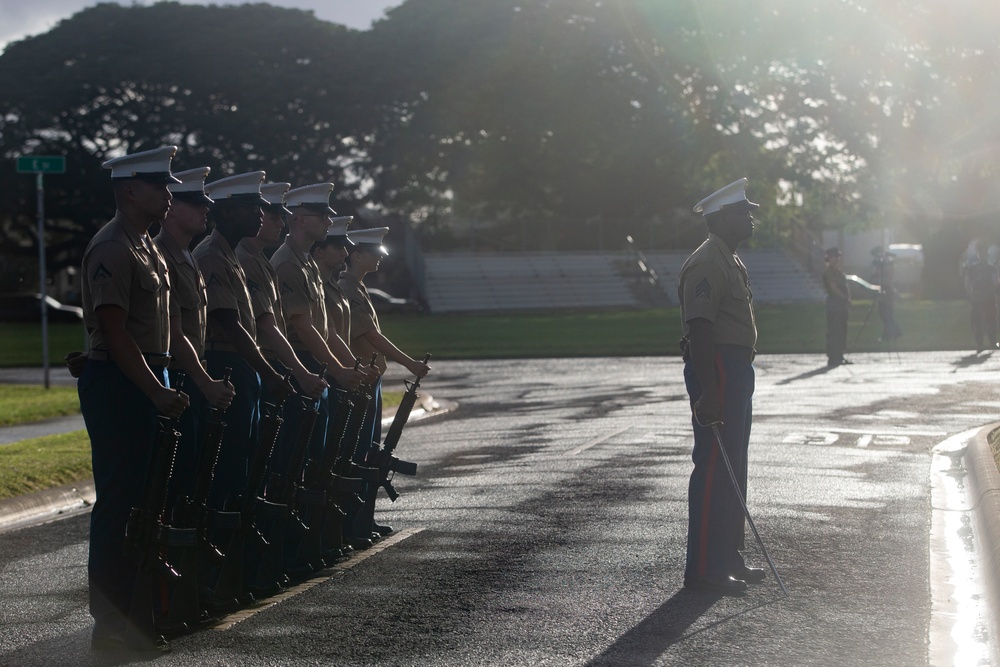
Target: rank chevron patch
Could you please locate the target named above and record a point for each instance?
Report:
(703, 290)
(101, 272)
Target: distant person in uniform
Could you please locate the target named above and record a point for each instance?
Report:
(364, 257)
(883, 275)
(124, 385)
(187, 219)
(981, 283)
(719, 338)
(838, 303)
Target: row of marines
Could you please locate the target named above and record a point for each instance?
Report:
(254, 373)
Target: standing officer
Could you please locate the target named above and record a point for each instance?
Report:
(838, 303)
(719, 338)
(230, 341)
(302, 303)
(124, 384)
(187, 219)
(364, 257)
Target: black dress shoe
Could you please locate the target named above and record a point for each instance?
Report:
(360, 543)
(751, 575)
(719, 585)
(382, 530)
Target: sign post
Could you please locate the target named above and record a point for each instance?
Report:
(40, 165)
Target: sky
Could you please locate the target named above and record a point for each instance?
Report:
(23, 18)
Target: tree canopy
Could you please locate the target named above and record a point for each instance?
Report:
(561, 120)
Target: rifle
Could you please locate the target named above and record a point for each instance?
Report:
(382, 457)
(147, 533)
(192, 512)
(230, 583)
(348, 465)
(276, 511)
(316, 500)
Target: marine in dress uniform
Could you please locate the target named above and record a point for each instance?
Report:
(230, 334)
(366, 338)
(262, 284)
(188, 312)
(124, 385)
(719, 338)
(304, 309)
(838, 303)
(330, 256)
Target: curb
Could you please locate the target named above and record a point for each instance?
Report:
(984, 490)
(51, 504)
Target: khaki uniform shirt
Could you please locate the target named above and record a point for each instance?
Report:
(226, 288)
(714, 285)
(835, 283)
(262, 284)
(187, 291)
(300, 288)
(363, 320)
(338, 310)
(123, 268)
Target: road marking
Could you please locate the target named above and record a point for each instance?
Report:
(867, 431)
(337, 570)
(596, 441)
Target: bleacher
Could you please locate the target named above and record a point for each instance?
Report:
(522, 281)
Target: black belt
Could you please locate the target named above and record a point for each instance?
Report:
(153, 359)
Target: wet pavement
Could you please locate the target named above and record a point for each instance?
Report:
(547, 525)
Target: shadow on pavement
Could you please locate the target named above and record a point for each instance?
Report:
(972, 360)
(646, 643)
(808, 374)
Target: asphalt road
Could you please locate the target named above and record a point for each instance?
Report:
(547, 527)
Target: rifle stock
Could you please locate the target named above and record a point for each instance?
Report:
(190, 513)
(147, 532)
(230, 586)
(270, 566)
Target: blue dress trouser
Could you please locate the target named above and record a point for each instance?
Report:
(715, 518)
(242, 422)
(122, 425)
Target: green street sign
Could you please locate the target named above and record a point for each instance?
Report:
(41, 164)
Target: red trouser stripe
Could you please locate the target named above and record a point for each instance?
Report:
(713, 462)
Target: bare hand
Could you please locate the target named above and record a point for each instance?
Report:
(418, 368)
(350, 378)
(76, 361)
(280, 388)
(219, 394)
(312, 385)
(170, 402)
(707, 410)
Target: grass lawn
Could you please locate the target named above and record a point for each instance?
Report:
(789, 328)
(20, 404)
(41, 463)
